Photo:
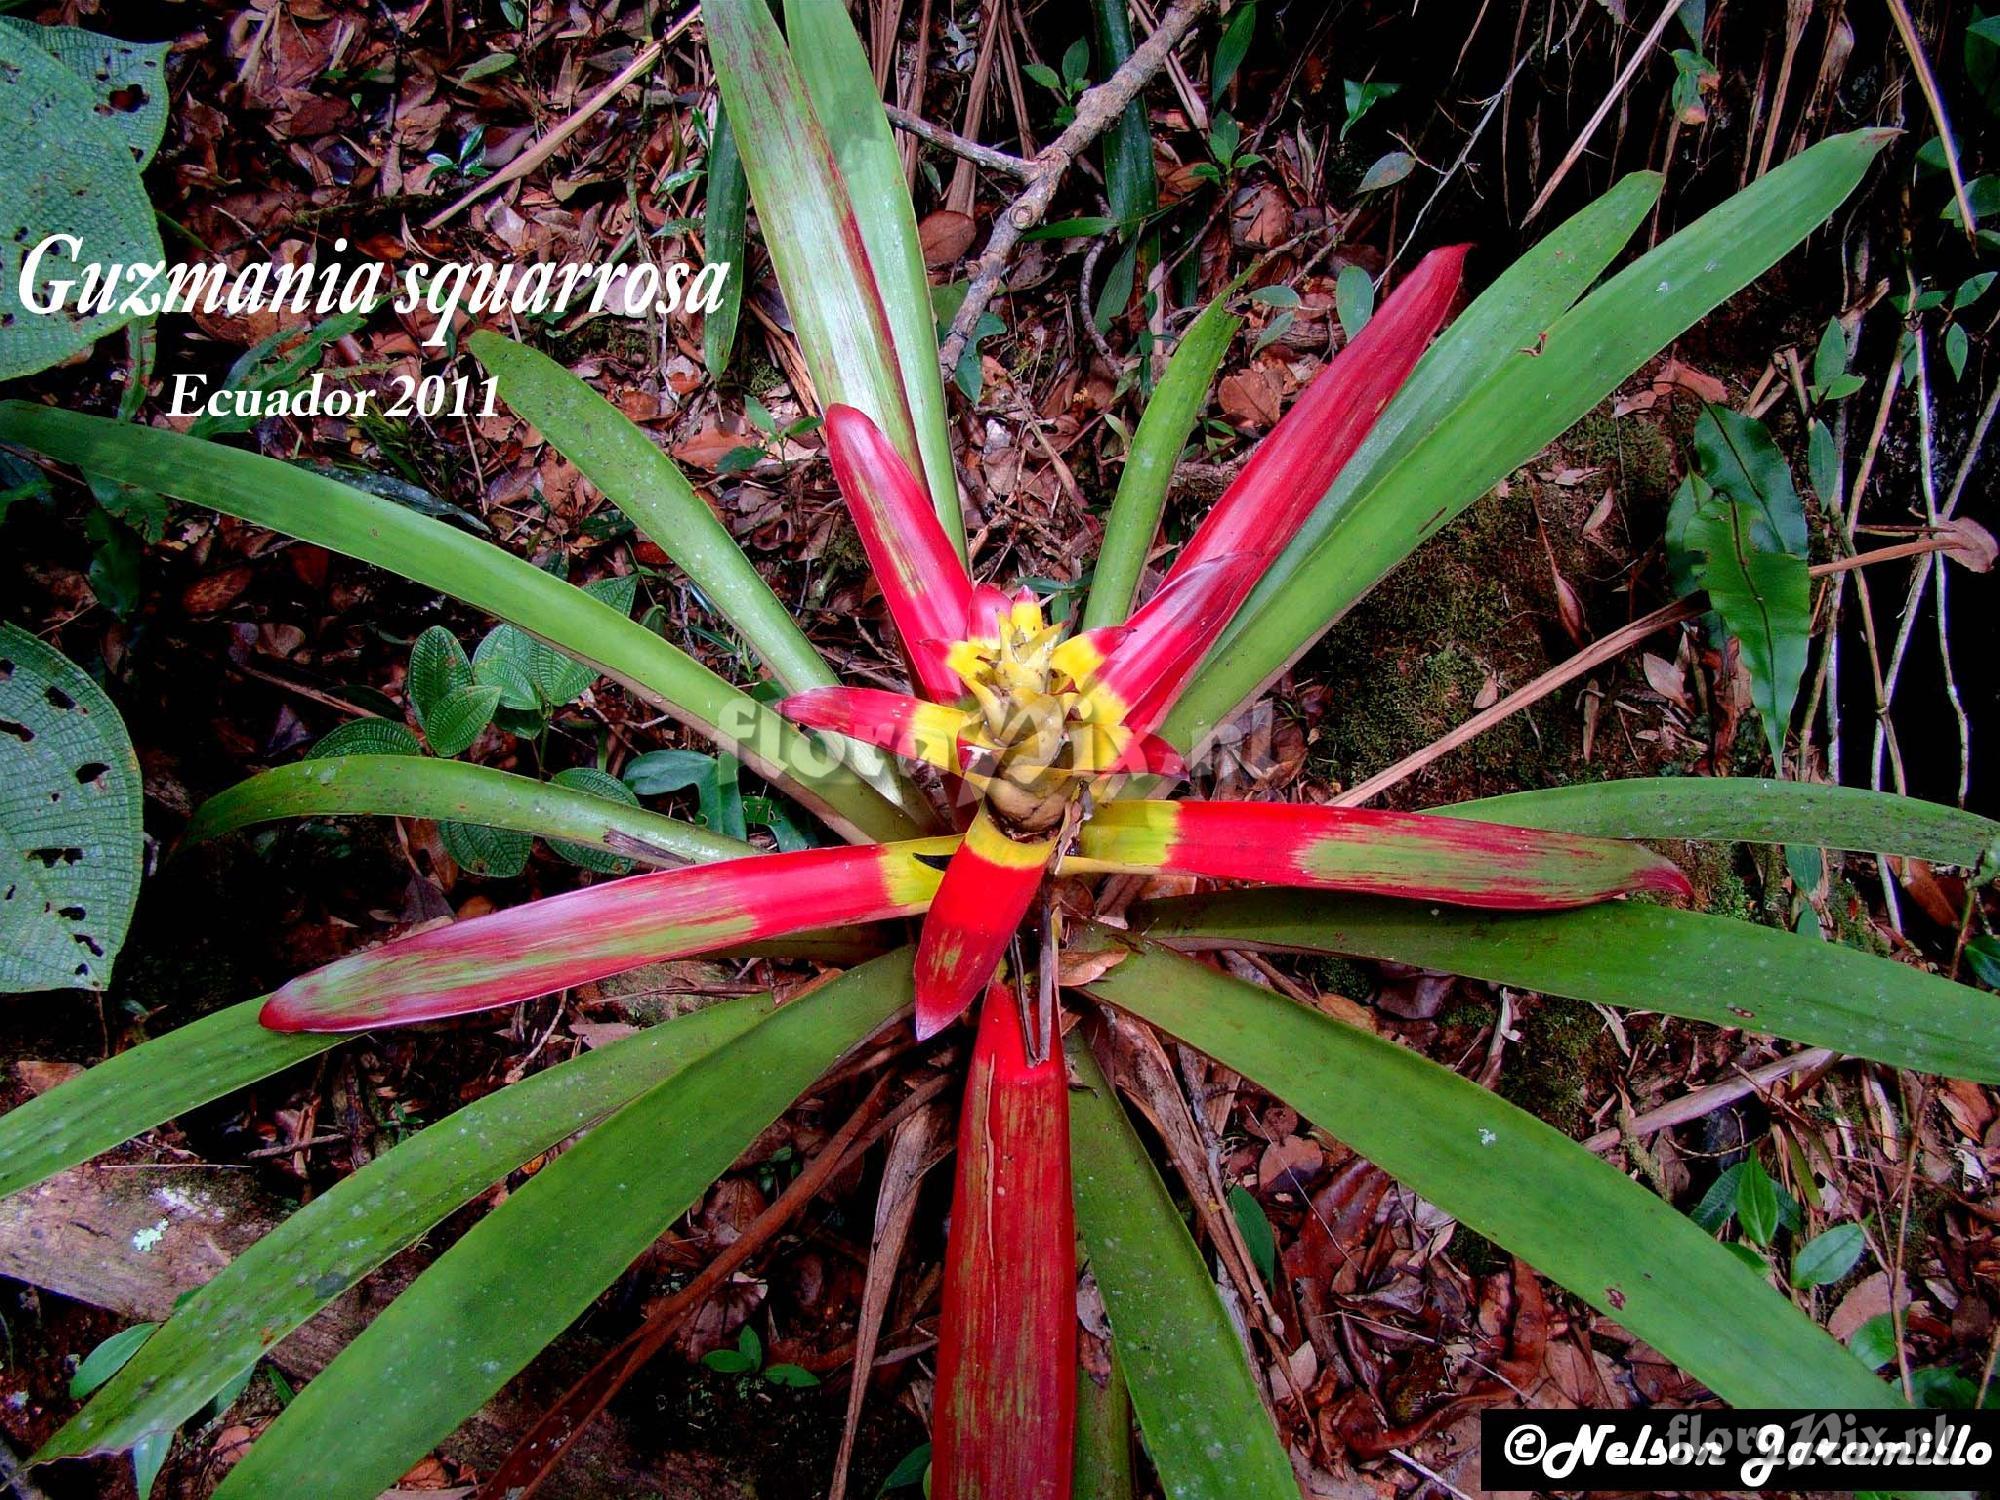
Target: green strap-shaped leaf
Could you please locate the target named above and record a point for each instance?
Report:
(1508, 1176)
(342, 519)
(405, 786)
(724, 228)
(1624, 953)
(817, 242)
(842, 89)
(1130, 178)
(649, 487)
(1530, 388)
(69, 822)
(525, 1271)
(1103, 1467)
(109, 1104)
(346, 1232)
(1509, 315)
(1149, 464)
(1205, 1425)
(1749, 810)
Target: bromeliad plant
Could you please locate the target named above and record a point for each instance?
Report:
(1046, 745)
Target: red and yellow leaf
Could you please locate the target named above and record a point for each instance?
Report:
(1358, 849)
(922, 579)
(986, 890)
(1005, 1411)
(1292, 469)
(601, 930)
(934, 733)
(1119, 667)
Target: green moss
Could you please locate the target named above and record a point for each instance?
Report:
(1847, 909)
(1633, 449)
(1565, 1050)
(1342, 976)
(1408, 664)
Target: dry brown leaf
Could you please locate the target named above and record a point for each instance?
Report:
(1249, 398)
(1666, 679)
(1080, 968)
(205, 596)
(1869, 1299)
(946, 236)
(1289, 1165)
(38, 1076)
(1917, 877)
(1970, 544)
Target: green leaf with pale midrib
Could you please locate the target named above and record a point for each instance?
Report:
(817, 241)
(1149, 464)
(645, 484)
(107, 1105)
(515, 1280)
(1196, 1396)
(1499, 403)
(842, 90)
(1512, 1178)
(1747, 810)
(1629, 953)
(342, 1235)
(342, 519)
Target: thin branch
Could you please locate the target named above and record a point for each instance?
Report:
(958, 145)
(1927, 84)
(1706, 1101)
(1096, 111)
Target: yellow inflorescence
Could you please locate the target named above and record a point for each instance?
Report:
(1041, 731)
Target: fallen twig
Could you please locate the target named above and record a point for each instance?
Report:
(958, 145)
(1706, 1101)
(1096, 111)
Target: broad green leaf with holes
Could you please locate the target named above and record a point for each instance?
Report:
(126, 80)
(65, 172)
(69, 822)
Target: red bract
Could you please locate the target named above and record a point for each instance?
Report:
(1006, 1366)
